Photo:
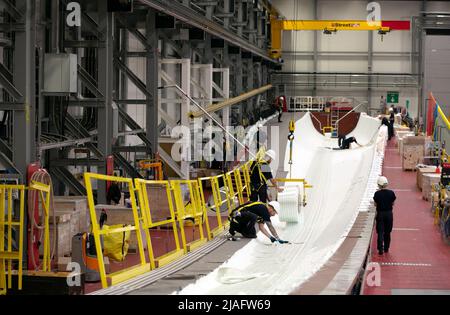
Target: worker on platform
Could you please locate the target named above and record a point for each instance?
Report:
(384, 201)
(244, 218)
(344, 143)
(279, 103)
(260, 173)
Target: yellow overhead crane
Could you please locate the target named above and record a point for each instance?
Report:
(277, 26)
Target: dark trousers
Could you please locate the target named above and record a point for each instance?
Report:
(260, 194)
(245, 224)
(390, 130)
(384, 222)
(280, 112)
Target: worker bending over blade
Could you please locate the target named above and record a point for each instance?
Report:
(244, 218)
(344, 143)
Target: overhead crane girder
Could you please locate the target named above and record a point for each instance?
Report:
(278, 26)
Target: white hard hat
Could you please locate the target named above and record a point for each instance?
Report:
(271, 154)
(281, 97)
(382, 181)
(275, 205)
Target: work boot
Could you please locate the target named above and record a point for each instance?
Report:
(380, 252)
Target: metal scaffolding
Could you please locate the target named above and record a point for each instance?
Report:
(221, 46)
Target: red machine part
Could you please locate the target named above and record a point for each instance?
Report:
(33, 240)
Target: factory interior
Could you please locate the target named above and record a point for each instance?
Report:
(199, 148)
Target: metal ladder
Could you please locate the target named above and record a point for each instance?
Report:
(334, 122)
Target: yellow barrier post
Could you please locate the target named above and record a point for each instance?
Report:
(8, 255)
(146, 210)
(128, 273)
(194, 212)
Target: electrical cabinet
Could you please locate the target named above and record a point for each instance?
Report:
(60, 73)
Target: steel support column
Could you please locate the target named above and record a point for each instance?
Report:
(105, 85)
(24, 139)
(152, 112)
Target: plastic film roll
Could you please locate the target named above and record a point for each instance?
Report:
(290, 205)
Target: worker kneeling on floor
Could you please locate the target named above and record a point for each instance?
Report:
(244, 218)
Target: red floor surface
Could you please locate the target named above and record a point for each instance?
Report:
(418, 257)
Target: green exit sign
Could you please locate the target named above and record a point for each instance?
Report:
(392, 97)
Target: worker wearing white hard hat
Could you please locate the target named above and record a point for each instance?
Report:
(244, 218)
(260, 173)
(384, 201)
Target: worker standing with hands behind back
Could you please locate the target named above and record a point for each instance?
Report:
(384, 200)
(260, 173)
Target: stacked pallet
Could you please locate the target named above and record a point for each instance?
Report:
(430, 180)
(425, 169)
(413, 151)
(71, 217)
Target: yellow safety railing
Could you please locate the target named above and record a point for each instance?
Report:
(7, 224)
(327, 128)
(219, 202)
(157, 203)
(127, 273)
(189, 208)
(245, 170)
(44, 198)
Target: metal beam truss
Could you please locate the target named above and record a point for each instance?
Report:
(76, 132)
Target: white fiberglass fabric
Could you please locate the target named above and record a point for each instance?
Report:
(339, 179)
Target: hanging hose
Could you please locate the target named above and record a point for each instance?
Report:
(41, 176)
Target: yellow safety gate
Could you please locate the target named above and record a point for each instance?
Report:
(188, 208)
(152, 221)
(138, 218)
(7, 254)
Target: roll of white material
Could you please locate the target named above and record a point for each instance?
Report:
(289, 201)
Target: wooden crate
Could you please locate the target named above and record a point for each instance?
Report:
(76, 204)
(412, 155)
(420, 172)
(63, 227)
(429, 180)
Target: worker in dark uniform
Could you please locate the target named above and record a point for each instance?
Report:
(244, 218)
(384, 200)
(260, 173)
(114, 194)
(344, 143)
(391, 123)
